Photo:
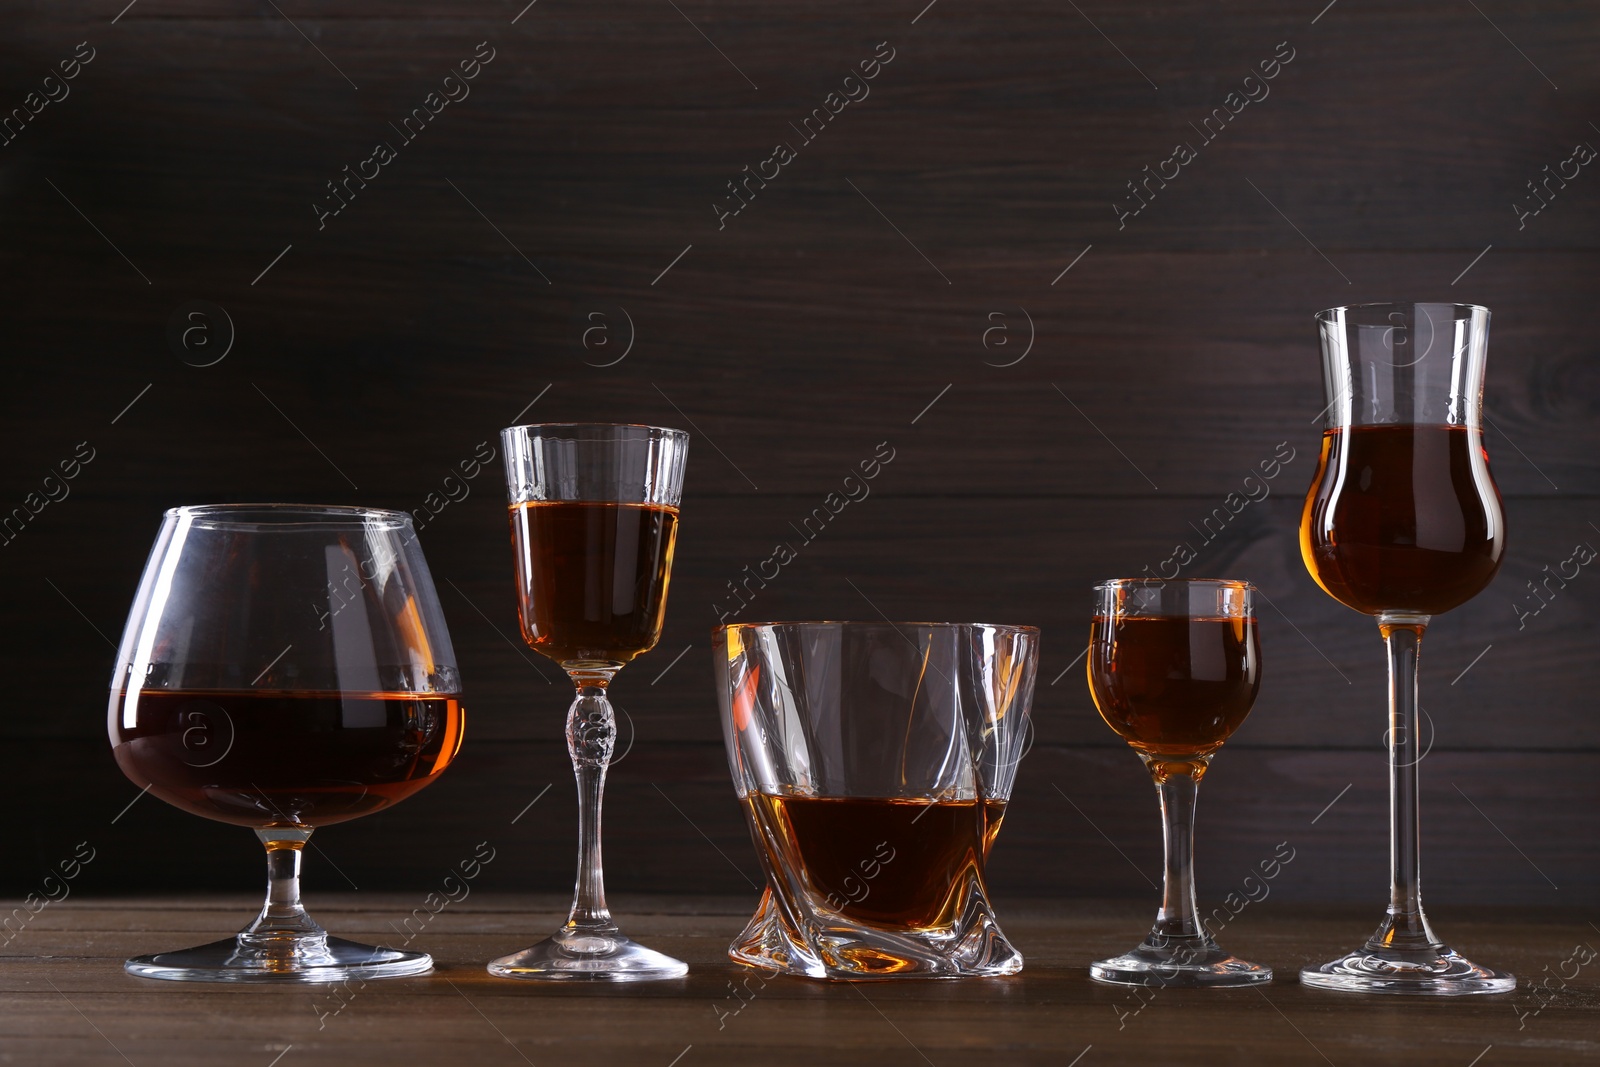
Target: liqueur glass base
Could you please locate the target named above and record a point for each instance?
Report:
(1175, 962)
(1437, 971)
(315, 958)
(589, 956)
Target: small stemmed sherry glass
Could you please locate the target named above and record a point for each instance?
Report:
(594, 516)
(1403, 521)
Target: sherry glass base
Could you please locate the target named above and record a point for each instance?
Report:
(1179, 962)
(1436, 970)
(317, 958)
(603, 955)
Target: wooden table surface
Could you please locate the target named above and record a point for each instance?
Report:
(64, 998)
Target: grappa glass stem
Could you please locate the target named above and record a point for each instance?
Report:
(1178, 786)
(1405, 927)
(591, 737)
(283, 921)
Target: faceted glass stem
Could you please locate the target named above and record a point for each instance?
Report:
(589, 946)
(591, 738)
(1405, 927)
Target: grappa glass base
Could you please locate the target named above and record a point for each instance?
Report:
(1437, 971)
(588, 955)
(315, 959)
(1175, 962)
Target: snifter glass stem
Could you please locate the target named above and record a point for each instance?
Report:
(284, 943)
(591, 738)
(1405, 927)
(283, 926)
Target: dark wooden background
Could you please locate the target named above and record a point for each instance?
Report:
(454, 292)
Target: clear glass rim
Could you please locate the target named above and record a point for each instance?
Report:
(1228, 583)
(1111, 606)
(529, 428)
(271, 514)
(880, 624)
(1327, 314)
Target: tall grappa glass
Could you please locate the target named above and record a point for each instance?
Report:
(1403, 522)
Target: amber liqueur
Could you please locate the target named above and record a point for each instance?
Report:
(264, 758)
(896, 862)
(592, 577)
(1174, 686)
(1403, 518)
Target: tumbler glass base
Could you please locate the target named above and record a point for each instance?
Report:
(835, 948)
(1437, 971)
(588, 955)
(1178, 963)
(313, 959)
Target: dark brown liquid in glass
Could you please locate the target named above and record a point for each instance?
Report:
(262, 758)
(1403, 518)
(1174, 686)
(890, 861)
(592, 578)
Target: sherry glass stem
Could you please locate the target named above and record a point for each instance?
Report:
(591, 737)
(1405, 927)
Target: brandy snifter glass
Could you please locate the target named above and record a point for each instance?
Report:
(284, 667)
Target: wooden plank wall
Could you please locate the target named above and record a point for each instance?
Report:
(555, 239)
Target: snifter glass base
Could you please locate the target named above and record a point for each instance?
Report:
(1434, 971)
(1177, 962)
(834, 947)
(576, 954)
(313, 958)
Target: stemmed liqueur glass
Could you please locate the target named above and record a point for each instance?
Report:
(284, 667)
(594, 515)
(1174, 667)
(1403, 521)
